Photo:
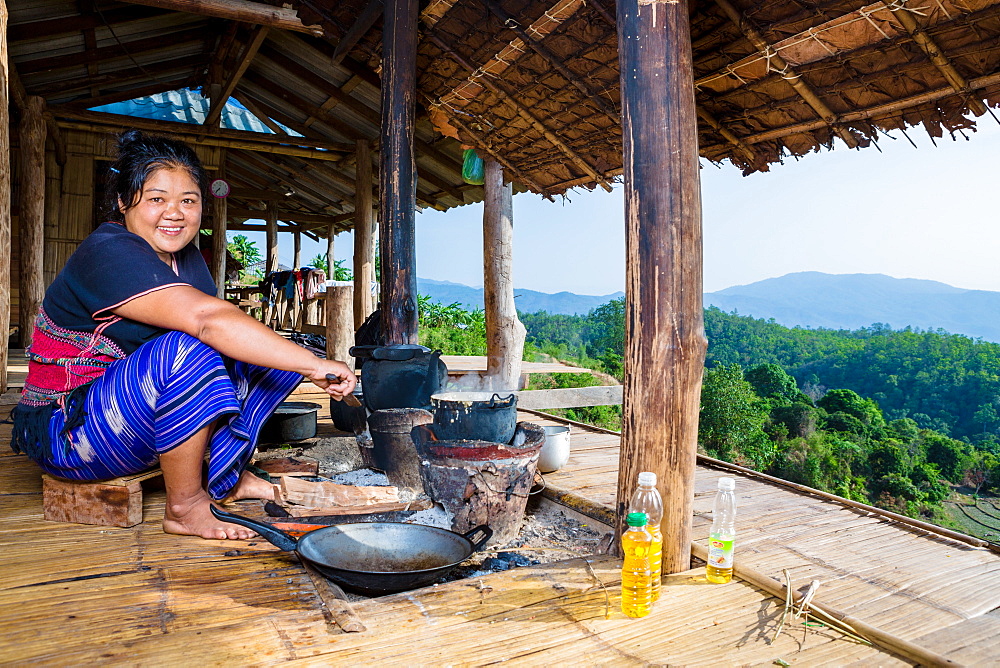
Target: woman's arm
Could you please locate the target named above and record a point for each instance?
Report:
(233, 333)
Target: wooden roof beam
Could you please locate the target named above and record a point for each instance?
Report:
(371, 13)
(256, 39)
(94, 56)
(259, 113)
(241, 136)
(287, 179)
(505, 94)
(926, 44)
(144, 74)
(742, 147)
(787, 72)
(130, 94)
(286, 214)
(239, 10)
(37, 30)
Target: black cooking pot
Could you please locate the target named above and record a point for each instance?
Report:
(291, 421)
(374, 558)
(476, 416)
(400, 376)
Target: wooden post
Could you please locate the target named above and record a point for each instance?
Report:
(297, 250)
(271, 234)
(364, 248)
(32, 214)
(504, 332)
(339, 321)
(5, 199)
(331, 258)
(219, 241)
(664, 329)
(397, 172)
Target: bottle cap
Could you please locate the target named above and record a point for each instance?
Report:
(636, 519)
(647, 478)
(728, 484)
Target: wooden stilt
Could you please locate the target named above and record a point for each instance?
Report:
(331, 258)
(296, 250)
(219, 241)
(5, 199)
(271, 234)
(32, 214)
(664, 329)
(504, 332)
(339, 321)
(364, 248)
(397, 172)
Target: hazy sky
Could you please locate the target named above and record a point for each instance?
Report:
(926, 213)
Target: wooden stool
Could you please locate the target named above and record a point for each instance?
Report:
(115, 503)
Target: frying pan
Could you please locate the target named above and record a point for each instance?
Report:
(374, 558)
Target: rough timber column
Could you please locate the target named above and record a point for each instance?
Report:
(271, 237)
(4, 198)
(664, 328)
(397, 172)
(504, 332)
(364, 248)
(219, 241)
(32, 214)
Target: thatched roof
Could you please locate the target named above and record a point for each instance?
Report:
(536, 84)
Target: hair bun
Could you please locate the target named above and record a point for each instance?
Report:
(128, 137)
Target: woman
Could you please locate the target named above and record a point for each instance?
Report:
(135, 362)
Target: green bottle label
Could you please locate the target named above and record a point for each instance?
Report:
(720, 552)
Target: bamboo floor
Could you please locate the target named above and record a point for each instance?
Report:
(78, 594)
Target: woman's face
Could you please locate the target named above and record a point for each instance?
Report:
(168, 211)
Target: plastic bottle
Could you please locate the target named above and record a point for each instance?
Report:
(647, 500)
(637, 586)
(719, 568)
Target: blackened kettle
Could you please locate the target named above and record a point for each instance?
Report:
(400, 375)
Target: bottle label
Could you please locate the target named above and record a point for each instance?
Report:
(720, 552)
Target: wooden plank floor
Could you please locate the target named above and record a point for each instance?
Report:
(77, 594)
(938, 593)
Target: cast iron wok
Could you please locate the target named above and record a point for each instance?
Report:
(374, 558)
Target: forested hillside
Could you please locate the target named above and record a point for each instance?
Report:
(876, 415)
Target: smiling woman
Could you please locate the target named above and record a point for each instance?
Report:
(134, 361)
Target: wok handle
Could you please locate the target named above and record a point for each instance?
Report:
(487, 534)
(276, 537)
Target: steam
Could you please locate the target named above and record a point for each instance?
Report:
(475, 382)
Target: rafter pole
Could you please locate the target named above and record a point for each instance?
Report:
(505, 94)
(787, 72)
(260, 114)
(935, 54)
(239, 10)
(259, 35)
(219, 241)
(727, 134)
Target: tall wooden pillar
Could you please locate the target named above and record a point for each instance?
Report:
(32, 214)
(664, 329)
(219, 242)
(364, 247)
(271, 238)
(5, 199)
(331, 256)
(398, 173)
(296, 250)
(339, 321)
(504, 332)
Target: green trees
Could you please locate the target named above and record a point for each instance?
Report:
(732, 418)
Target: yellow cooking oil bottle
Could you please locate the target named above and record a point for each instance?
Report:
(637, 581)
(719, 568)
(647, 500)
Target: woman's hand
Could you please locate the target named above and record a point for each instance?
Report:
(345, 378)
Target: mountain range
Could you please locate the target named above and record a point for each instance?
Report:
(851, 301)
(803, 299)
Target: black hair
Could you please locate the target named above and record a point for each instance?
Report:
(140, 155)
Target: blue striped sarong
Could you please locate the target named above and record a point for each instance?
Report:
(157, 398)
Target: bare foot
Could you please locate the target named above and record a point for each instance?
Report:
(192, 517)
(250, 486)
